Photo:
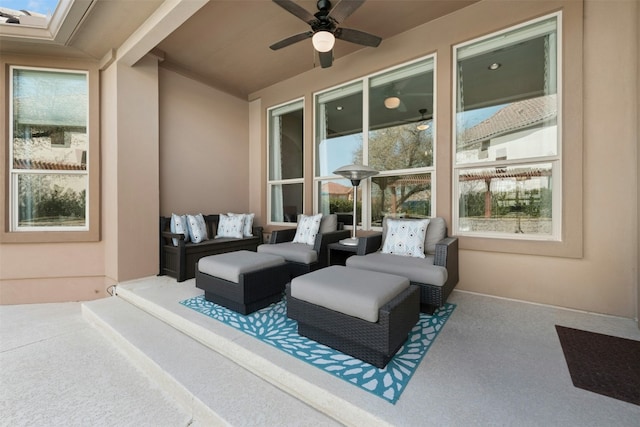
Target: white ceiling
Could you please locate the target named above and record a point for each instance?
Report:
(225, 43)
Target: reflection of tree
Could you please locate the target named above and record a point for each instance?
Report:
(397, 148)
(40, 199)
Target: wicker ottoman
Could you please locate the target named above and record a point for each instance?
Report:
(243, 281)
(365, 314)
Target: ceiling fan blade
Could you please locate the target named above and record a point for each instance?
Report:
(295, 9)
(326, 59)
(291, 40)
(344, 9)
(358, 37)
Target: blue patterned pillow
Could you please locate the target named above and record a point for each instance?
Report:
(179, 225)
(405, 237)
(230, 226)
(197, 228)
(247, 224)
(307, 230)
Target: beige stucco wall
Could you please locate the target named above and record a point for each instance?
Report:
(204, 148)
(598, 267)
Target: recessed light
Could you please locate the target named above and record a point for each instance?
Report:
(494, 66)
(339, 108)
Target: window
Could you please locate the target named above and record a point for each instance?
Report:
(286, 161)
(49, 150)
(507, 163)
(396, 109)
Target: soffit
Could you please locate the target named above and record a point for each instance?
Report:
(226, 43)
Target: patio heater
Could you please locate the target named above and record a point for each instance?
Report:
(354, 173)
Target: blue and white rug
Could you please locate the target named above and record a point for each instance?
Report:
(272, 326)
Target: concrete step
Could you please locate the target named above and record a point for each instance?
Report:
(215, 389)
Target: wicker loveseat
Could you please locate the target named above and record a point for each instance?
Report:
(436, 274)
(180, 260)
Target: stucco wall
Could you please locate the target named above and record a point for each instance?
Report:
(204, 148)
(598, 271)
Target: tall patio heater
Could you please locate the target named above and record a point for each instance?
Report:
(354, 173)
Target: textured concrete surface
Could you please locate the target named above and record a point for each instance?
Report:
(57, 370)
(496, 362)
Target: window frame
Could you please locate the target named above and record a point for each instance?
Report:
(271, 183)
(364, 190)
(91, 231)
(555, 160)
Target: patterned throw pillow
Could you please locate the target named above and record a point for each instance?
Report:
(405, 237)
(247, 225)
(307, 230)
(197, 228)
(230, 226)
(179, 225)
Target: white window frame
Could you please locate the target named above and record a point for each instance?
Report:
(365, 186)
(14, 173)
(292, 104)
(556, 161)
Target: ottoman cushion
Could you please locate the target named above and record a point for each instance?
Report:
(296, 252)
(357, 293)
(229, 266)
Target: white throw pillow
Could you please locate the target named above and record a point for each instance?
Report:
(230, 226)
(247, 224)
(179, 225)
(405, 237)
(197, 228)
(307, 230)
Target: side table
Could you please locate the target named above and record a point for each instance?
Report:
(338, 253)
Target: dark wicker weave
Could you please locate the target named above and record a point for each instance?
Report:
(431, 296)
(179, 261)
(254, 290)
(374, 343)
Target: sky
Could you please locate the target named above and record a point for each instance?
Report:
(46, 7)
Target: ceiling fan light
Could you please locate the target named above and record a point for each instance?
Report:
(422, 126)
(392, 102)
(323, 41)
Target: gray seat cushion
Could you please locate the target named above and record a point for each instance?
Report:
(357, 293)
(229, 266)
(420, 270)
(295, 252)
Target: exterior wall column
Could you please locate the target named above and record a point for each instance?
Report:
(130, 178)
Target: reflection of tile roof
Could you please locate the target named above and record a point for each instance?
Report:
(41, 165)
(515, 116)
(505, 173)
(335, 188)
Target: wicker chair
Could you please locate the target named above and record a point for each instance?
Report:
(302, 258)
(436, 274)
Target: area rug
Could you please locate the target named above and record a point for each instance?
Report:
(602, 364)
(272, 326)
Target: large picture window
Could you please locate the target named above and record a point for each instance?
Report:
(384, 121)
(507, 162)
(49, 150)
(286, 161)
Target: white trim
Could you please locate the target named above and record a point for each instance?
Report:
(484, 44)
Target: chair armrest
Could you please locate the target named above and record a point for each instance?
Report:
(257, 231)
(167, 235)
(447, 256)
(369, 244)
(280, 236)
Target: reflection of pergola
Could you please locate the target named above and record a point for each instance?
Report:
(487, 175)
(392, 182)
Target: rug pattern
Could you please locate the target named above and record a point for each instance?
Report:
(272, 326)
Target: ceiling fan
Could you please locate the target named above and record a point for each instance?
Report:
(324, 27)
